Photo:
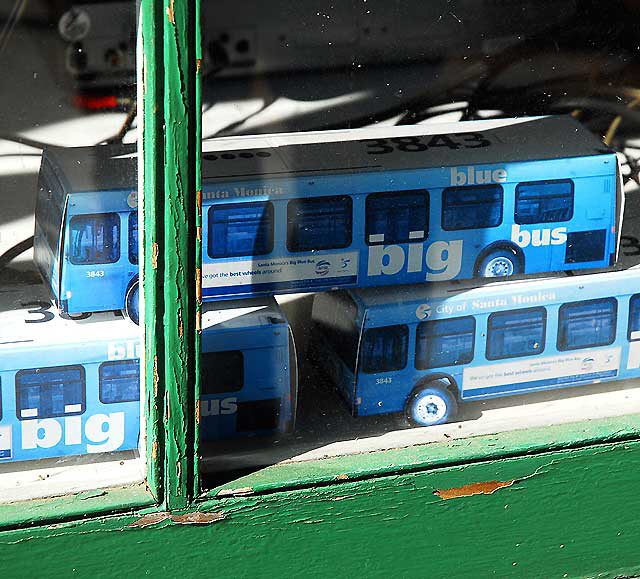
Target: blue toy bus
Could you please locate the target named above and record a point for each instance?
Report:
(72, 387)
(462, 200)
(423, 349)
(249, 370)
(67, 387)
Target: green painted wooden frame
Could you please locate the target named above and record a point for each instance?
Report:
(561, 501)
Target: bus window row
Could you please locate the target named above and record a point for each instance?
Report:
(510, 334)
(61, 390)
(243, 229)
(320, 223)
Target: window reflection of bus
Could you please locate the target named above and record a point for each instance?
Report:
(248, 370)
(480, 199)
(67, 387)
(72, 386)
(422, 350)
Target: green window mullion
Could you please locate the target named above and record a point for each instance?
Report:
(171, 164)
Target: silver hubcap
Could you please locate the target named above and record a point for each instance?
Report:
(498, 267)
(430, 409)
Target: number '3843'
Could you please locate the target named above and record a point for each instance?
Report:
(418, 144)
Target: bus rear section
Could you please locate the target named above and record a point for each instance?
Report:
(248, 370)
(86, 235)
(66, 387)
(422, 350)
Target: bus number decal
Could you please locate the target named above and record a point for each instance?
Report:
(384, 380)
(96, 273)
(418, 144)
(39, 308)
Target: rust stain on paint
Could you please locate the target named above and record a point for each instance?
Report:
(180, 324)
(198, 411)
(479, 488)
(198, 233)
(198, 321)
(154, 450)
(198, 64)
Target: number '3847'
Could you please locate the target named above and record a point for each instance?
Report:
(418, 144)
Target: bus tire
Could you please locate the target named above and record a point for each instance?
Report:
(431, 405)
(132, 303)
(500, 263)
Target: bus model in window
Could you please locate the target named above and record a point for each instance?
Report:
(290, 213)
(421, 350)
(72, 386)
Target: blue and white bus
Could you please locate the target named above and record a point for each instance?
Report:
(67, 387)
(423, 349)
(289, 213)
(249, 373)
(72, 386)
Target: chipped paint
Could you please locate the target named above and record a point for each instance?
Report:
(198, 321)
(154, 255)
(479, 488)
(171, 13)
(180, 324)
(239, 492)
(154, 451)
(198, 64)
(198, 518)
(150, 519)
(342, 477)
(198, 285)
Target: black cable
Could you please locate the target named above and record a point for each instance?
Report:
(15, 251)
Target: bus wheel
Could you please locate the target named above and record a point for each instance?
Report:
(431, 405)
(499, 263)
(132, 303)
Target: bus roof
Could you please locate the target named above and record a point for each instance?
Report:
(241, 314)
(290, 155)
(25, 324)
(113, 167)
(478, 296)
(99, 168)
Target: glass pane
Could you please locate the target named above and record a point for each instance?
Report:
(409, 212)
(69, 350)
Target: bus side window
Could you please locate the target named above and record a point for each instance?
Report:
(441, 343)
(633, 331)
(319, 223)
(119, 381)
(384, 349)
(221, 372)
(516, 333)
(397, 217)
(544, 201)
(239, 229)
(50, 392)
(133, 237)
(95, 238)
(587, 324)
(472, 207)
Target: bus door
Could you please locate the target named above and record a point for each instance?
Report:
(95, 267)
(382, 363)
